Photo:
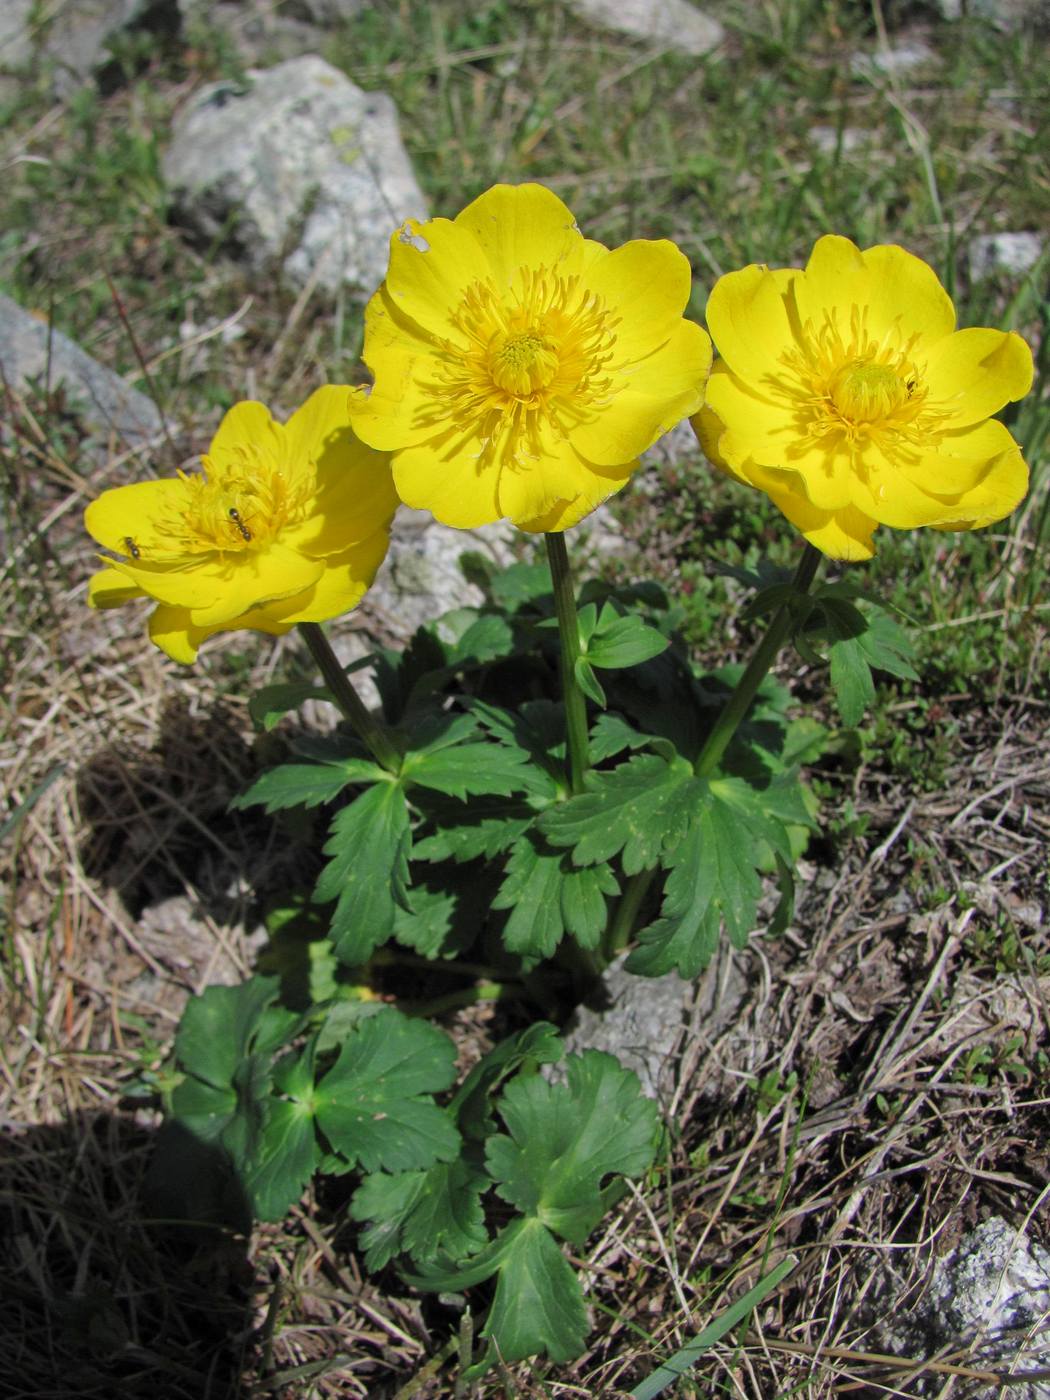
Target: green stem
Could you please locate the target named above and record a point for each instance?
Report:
(375, 736)
(569, 631)
(762, 658)
(619, 932)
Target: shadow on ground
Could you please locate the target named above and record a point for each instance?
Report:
(103, 1295)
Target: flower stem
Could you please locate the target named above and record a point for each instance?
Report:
(762, 658)
(569, 631)
(619, 932)
(375, 736)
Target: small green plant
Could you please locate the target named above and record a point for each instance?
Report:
(550, 780)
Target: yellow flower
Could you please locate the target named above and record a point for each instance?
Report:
(287, 523)
(844, 391)
(520, 369)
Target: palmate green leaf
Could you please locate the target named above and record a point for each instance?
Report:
(862, 637)
(621, 641)
(537, 728)
(484, 828)
(283, 1160)
(548, 897)
(588, 681)
(611, 734)
(520, 584)
(422, 1213)
(305, 784)
(467, 770)
(714, 879)
(372, 1105)
(538, 1305)
(225, 1047)
(638, 811)
(367, 874)
(471, 1106)
(566, 1138)
(269, 705)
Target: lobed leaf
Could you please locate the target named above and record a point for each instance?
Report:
(367, 872)
(638, 811)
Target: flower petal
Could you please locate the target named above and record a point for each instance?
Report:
(431, 267)
(749, 321)
(127, 515)
(246, 421)
(111, 588)
(649, 400)
(522, 226)
(346, 579)
(258, 577)
(646, 285)
(448, 477)
(974, 372)
(557, 484)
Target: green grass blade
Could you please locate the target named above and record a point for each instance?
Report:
(682, 1360)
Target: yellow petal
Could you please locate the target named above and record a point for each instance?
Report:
(646, 285)
(397, 411)
(111, 588)
(974, 372)
(255, 578)
(431, 267)
(523, 226)
(193, 585)
(130, 514)
(343, 584)
(895, 293)
(648, 400)
(906, 293)
(448, 477)
(556, 484)
(747, 315)
(245, 422)
(170, 629)
(841, 534)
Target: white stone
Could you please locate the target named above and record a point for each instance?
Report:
(990, 1295)
(16, 34)
(304, 157)
(894, 61)
(673, 24)
(1009, 254)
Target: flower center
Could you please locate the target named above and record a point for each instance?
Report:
(531, 361)
(238, 503)
(524, 363)
(864, 392)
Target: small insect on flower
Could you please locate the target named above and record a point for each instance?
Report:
(319, 502)
(242, 529)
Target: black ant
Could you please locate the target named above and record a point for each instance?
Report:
(235, 516)
(133, 548)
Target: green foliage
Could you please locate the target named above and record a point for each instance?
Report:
(276, 1119)
(557, 1165)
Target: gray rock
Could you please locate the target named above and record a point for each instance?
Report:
(646, 1022)
(895, 61)
(16, 34)
(672, 24)
(991, 1296)
(31, 350)
(642, 1025)
(259, 35)
(421, 578)
(1008, 254)
(326, 12)
(80, 32)
(305, 166)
